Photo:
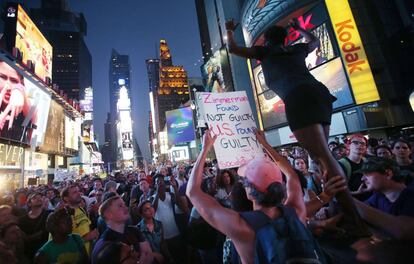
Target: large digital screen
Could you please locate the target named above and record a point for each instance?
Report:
(72, 133)
(325, 51)
(55, 134)
(217, 74)
(180, 126)
(23, 107)
(33, 45)
(331, 74)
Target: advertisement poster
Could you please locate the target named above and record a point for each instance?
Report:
(180, 127)
(337, 127)
(352, 51)
(217, 74)
(24, 108)
(331, 74)
(33, 45)
(179, 153)
(325, 51)
(229, 116)
(55, 134)
(72, 133)
(213, 74)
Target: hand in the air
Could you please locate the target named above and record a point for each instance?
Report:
(260, 136)
(208, 139)
(15, 106)
(294, 23)
(231, 25)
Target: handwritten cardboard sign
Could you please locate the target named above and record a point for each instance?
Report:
(229, 116)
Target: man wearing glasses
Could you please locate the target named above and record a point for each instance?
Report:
(351, 164)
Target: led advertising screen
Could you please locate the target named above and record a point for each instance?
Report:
(216, 73)
(23, 107)
(55, 134)
(180, 126)
(331, 74)
(23, 34)
(72, 133)
(325, 51)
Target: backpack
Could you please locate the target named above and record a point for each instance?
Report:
(284, 240)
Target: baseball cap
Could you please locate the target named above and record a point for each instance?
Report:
(379, 164)
(261, 172)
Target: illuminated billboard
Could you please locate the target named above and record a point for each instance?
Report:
(125, 136)
(352, 51)
(24, 108)
(180, 126)
(330, 73)
(72, 133)
(55, 134)
(216, 73)
(22, 33)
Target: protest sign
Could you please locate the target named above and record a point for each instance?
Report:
(229, 116)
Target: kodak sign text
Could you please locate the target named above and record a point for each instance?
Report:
(352, 52)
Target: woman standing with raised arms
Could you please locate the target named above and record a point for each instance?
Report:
(308, 102)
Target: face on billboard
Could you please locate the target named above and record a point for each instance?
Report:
(213, 75)
(33, 45)
(180, 126)
(23, 107)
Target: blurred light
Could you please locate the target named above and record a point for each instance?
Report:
(121, 81)
(412, 101)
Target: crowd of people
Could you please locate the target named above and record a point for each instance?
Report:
(197, 213)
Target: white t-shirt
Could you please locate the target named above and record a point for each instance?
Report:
(165, 214)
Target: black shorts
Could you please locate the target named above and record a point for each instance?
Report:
(308, 105)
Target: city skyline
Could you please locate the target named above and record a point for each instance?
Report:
(175, 23)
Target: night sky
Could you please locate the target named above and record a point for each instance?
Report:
(134, 28)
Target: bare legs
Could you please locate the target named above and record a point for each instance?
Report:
(314, 139)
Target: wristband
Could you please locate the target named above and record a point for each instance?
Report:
(320, 200)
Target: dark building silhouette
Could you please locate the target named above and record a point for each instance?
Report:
(65, 30)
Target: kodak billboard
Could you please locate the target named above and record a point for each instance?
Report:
(352, 51)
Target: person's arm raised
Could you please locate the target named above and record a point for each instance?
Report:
(249, 53)
(312, 40)
(225, 220)
(293, 188)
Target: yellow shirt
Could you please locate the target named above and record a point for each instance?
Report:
(81, 226)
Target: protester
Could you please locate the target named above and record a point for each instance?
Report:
(164, 201)
(153, 232)
(81, 222)
(115, 213)
(287, 75)
(12, 238)
(402, 152)
(313, 181)
(224, 181)
(353, 163)
(383, 151)
(65, 247)
(340, 152)
(33, 224)
(264, 187)
(203, 236)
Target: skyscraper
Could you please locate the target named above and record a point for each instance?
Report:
(173, 85)
(119, 68)
(65, 30)
(120, 106)
(168, 90)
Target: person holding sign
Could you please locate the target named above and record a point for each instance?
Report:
(276, 206)
(307, 101)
